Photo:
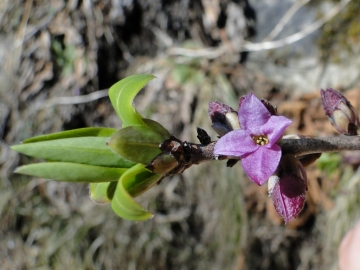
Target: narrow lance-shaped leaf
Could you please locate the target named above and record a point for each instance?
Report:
(139, 180)
(84, 150)
(136, 180)
(122, 95)
(138, 144)
(102, 192)
(71, 172)
(162, 132)
(80, 132)
(111, 189)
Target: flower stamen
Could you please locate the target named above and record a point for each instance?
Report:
(261, 139)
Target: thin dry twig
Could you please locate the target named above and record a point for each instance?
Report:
(299, 35)
(211, 53)
(285, 19)
(70, 100)
(14, 61)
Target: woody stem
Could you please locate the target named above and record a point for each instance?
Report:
(298, 147)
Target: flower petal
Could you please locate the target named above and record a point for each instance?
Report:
(261, 164)
(289, 196)
(235, 143)
(253, 114)
(275, 127)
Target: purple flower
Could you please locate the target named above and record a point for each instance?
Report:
(288, 187)
(256, 141)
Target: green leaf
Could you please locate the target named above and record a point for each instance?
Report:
(84, 150)
(136, 180)
(139, 180)
(81, 132)
(102, 192)
(111, 189)
(158, 128)
(163, 164)
(71, 172)
(138, 144)
(98, 192)
(122, 95)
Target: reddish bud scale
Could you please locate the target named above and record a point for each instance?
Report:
(272, 109)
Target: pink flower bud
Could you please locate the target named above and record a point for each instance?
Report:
(223, 118)
(287, 187)
(340, 112)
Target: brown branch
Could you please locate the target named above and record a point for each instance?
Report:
(297, 147)
(188, 154)
(320, 145)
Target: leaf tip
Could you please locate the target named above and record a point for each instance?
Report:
(15, 147)
(19, 170)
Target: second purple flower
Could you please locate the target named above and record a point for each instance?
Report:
(256, 142)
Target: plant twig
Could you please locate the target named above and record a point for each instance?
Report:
(212, 53)
(188, 154)
(70, 100)
(320, 145)
(249, 46)
(285, 19)
(298, 147)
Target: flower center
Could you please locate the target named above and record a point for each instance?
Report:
(261, 140)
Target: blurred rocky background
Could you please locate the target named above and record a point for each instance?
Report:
(58, 58)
